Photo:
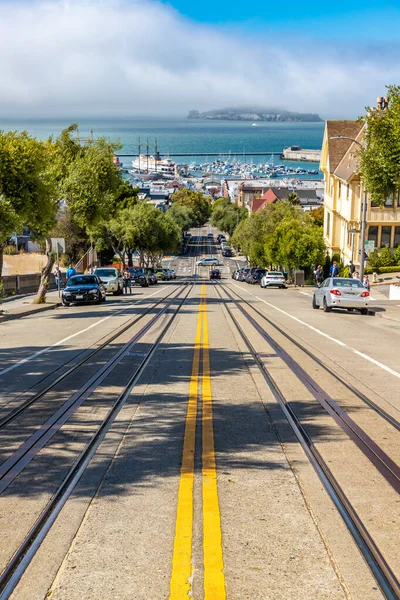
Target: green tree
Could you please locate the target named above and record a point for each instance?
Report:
(317, 216)
(226, 216)
(85, 178)
(293, 198)
(199, 204)
(26, 187)
(386, 258)
(380, 158)
(182, 215)
(149, 231)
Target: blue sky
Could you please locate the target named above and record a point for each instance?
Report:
(355, 19)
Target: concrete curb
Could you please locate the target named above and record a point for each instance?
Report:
(32, 311)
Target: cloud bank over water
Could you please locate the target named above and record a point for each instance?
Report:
(97, 58)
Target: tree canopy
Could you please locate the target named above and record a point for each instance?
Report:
(380, 157)
(227, 216)
(199, 204)
(280, 234)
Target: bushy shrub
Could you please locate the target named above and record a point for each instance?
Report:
(396, 255)
(386, 258)
(374, 260)
(10, 250)
(393, 269)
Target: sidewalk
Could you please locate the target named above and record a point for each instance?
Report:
(21, 306)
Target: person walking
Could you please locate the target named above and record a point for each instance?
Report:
(366, 283)
(319, 275)
(70, 272)
(58, 277)
(334, 270)
(127, 281)
(352, 268)
(356, 275)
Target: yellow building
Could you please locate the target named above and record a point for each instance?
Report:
(343, 194)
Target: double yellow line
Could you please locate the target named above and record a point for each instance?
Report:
(182, 569)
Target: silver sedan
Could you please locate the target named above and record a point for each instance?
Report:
(341, 292)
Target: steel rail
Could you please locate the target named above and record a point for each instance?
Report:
(382, 413)
(27, 550)
(380, 569)
(11, 467)
(12, 415)
(385, 465)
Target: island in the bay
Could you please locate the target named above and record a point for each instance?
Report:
(253, 114)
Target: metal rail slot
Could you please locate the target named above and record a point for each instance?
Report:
(380, 411)
(23, 556)
(20, 409)
(380, 569)
(10, 469)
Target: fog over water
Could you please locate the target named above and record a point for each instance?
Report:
(123, 58)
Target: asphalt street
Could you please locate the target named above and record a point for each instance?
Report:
(199, 486)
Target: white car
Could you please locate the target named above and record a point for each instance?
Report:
(273, 278)
(208, 261)
(111, 278)
(341, 292)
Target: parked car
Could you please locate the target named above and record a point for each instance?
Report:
(255, 276)
(111, 278)
(172, 273)
(341, 292)
(81, 289)
(215, 274)
(151, 276)
(139, 276)
(208, 261)
(235, 273)
(243, 274)
(273, 278)
(210, 236)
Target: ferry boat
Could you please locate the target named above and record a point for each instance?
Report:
(144, 164)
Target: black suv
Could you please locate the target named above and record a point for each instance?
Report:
(139, 276)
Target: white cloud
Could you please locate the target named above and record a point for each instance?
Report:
(142, 58)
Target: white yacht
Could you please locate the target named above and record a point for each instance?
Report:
(144, 164)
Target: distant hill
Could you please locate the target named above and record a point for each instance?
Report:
(254, 115)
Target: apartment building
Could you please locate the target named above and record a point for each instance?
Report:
(343, 195)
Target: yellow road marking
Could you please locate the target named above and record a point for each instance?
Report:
(180, 585)
(214, 578)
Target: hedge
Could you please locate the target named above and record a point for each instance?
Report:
(370, 270)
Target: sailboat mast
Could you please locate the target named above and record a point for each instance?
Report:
(147, 154)
(139, 155)
(155, 155)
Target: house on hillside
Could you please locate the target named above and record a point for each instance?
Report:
(343, 196)
(308, 199)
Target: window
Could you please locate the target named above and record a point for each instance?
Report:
(373, 235)
(339, 189)
(396, 237)
(385, 237)
(328, 224)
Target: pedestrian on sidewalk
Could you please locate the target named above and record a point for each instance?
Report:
(352, 268)
(366, 283)
(70, 272)
(356, 275)
(127, 281)
(319, 275)
(334, 270)
(58, 277)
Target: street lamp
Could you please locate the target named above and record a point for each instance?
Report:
(363, 213)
